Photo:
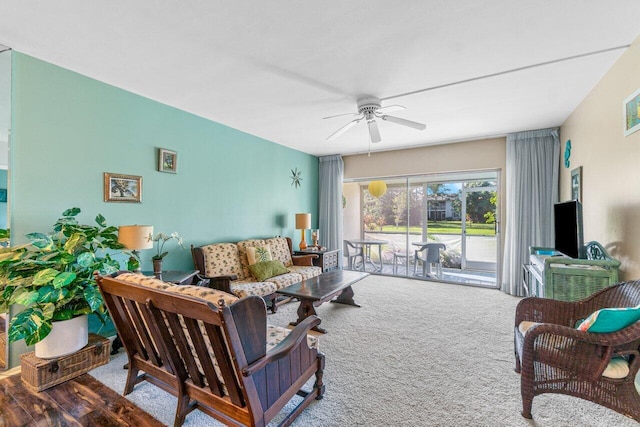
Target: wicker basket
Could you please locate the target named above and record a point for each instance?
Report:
(40, 374)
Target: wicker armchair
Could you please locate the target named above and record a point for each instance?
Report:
(554, 357)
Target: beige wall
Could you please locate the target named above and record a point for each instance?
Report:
(463, 156)
(610, 163)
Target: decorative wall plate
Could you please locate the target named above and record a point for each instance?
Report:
(296, 177)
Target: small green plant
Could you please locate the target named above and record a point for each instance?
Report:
(52, 277)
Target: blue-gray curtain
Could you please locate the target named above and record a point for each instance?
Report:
(533, 161)
(330, 202)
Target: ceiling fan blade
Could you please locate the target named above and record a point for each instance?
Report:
(343, 129)
(373, 131)
(340, 115)
(404, 122)
(391, 108)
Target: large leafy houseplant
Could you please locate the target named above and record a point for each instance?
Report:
(52, 277)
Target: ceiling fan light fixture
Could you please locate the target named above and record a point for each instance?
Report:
(370, 108)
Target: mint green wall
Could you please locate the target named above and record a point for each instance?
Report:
(68, 129)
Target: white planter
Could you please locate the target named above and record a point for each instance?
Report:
(66, 337)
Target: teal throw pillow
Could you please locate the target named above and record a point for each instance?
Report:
(610, 319)
(266, 269)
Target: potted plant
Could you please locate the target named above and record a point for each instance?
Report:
(52, 279)
(160, 240)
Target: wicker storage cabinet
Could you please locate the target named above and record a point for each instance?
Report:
(40, 374)
(569, 279)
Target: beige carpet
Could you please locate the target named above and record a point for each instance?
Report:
(415, 354)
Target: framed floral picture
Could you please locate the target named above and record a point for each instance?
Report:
(167, 160)
(122, 188)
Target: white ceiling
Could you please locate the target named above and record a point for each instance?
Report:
(275, 68)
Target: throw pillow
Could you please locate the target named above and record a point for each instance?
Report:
(266, 269)
(258, 254)
(610, 319)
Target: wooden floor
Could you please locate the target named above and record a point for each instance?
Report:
(83, 401)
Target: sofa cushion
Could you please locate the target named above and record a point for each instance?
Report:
(306, 272)
(266, 269)
(286, 279)
(246, 287)
(280, 250)
(258, 254)
(222, 259)
(242, 251)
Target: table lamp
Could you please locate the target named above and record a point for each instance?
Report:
(303, 222)
(135, 238)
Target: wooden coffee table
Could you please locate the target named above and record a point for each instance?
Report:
(317, 290)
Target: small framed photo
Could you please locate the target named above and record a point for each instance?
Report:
(167, 160)
(122, 188)
(3, 195)
(631, 110)
(576, 184)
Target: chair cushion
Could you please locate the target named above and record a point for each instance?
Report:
(275, 334)
(266, 269)
(525, 325)
(618, 367)
(147, 281)
(211, 295)
(610, 319)
(258, 254)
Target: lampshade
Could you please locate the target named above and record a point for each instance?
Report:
(303, 221)
(377, 188)
(136, 237)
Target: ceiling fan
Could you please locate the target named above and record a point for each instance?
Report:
(370, 109)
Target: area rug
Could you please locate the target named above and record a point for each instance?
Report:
(415, 354)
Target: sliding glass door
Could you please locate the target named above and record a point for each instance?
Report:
(458, 211)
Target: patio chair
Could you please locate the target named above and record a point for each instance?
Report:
(427, 255)
(352, 252)
(595, 361)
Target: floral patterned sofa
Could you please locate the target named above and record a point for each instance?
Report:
(229, 266)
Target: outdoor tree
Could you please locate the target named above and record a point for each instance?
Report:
(399, 208)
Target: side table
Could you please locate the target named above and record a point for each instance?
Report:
(176, 277)
(327, 258)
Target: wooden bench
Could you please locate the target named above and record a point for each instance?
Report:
(212, 356)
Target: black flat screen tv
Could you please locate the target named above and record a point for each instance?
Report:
(568, 228)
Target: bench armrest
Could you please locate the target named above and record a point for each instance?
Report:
(222, 283)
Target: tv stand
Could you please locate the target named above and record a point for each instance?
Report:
(552, 274)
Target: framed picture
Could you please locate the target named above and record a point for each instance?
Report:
(576, 184)
(631, 110)
(167, 160)
(3, 195)
(122, 188)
